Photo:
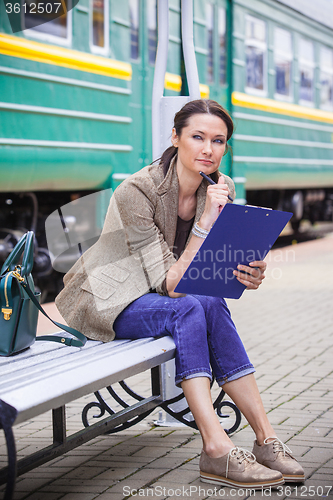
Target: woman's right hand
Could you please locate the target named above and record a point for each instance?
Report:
(216, 199)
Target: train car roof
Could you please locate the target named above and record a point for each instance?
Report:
(319, 10)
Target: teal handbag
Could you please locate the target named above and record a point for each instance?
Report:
(19, 303)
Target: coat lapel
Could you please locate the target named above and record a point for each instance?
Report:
(201, 199)
(168, 192)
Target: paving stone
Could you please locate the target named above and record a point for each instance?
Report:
(150, 452)
(70, 460)
(117, 474)
(44, 496)
(78, 496)
(112, 496)
(308, 441)
(86, 471)
(178, 476)
(121, 463)
(319, 455)
(75, 487)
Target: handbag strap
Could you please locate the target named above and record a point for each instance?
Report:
(26, 246)
(28, 255)
(80, 338)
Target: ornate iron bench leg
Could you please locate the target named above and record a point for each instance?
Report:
(8, 474)
(145, 405)
(218, 405)
(104, 407)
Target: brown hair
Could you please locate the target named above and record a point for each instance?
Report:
(181, 119)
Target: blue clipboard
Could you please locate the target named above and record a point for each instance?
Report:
(241, 234)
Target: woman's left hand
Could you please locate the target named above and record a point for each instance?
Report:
(255, 273)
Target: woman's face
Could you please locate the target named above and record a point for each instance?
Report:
(201, 143)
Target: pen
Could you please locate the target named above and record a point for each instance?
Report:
(212, 182)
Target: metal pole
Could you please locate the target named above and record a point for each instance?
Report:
(191, 69)
(163, 110)
(159, 74)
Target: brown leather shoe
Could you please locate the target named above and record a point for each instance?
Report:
(277, 456)
(238, 469)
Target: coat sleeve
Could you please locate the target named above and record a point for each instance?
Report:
(145, 242)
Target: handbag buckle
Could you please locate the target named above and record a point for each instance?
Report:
(6, 313)
(17, 275)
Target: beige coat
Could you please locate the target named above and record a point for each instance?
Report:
(132, 255)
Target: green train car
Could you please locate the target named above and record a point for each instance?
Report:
(75, 110)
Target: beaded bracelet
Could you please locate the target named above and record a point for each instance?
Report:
(198, 231)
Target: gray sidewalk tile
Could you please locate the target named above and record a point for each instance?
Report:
(113, 475)
(319, 455)
(44, 496)
(75, 487)
(78, 496)
(112, 496)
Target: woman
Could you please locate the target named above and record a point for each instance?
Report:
(123, 287)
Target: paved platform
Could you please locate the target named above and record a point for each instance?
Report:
(287, 328)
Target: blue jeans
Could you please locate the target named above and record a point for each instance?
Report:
(202, 329)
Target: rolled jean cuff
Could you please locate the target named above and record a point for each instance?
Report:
(241, 373)
(179, 380)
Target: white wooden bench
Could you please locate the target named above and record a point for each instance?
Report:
(50, 375)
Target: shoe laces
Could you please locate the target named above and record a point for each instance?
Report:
(241, 455)
(279, 446)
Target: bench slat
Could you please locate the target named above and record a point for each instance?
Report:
(51, 377)
(16, 372)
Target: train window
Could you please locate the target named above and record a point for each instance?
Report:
(326, 78)
(51, 29)
(283, 59)
(210, 41)
(222, 45)
(99, 25)
(134, 19)
(152, 30)
(306, 71)
(256, 50)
